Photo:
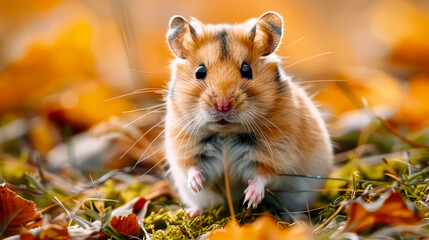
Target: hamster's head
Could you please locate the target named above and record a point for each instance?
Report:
(224, 77)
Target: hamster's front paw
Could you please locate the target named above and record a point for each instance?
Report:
(195, 179)
(254, 192)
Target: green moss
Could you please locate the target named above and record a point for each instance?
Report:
(165, 224)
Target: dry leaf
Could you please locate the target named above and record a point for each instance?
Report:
(16, 213)
(161, 188)
(126, 225)
(362, 82)
(55, 231)
(139, 205)
(403, 26)
(264, 227)
(391, 212)
(27, 236)
(415, 108)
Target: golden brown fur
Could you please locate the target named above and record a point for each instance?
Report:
(277, 114)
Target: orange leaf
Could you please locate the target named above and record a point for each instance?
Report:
(16, 213)
(126, 225)
(392, 212)
(263, 228)
(55, 231)
(415, 108)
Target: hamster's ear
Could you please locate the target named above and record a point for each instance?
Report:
(180, 36)
(267, 33)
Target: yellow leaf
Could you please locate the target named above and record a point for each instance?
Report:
(264, 227)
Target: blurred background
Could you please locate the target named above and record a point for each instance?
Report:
(62, 62)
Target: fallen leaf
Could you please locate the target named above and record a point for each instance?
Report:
(264, 227)
(415, 107)
(126, 225)
(27, 236)
(404, 27)
(139, 205)
(159, 189)
(345, 98)
(55, 231)
(43, 134)
(372, 216)
(16, 213)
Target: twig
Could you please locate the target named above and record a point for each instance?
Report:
(329, 219)
(56, 203)
(330, 178)
(399, 135)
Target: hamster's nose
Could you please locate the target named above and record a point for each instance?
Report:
(223, 105)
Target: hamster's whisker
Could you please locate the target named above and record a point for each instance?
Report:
(253, 112)
(308, 58)
(196, 126)
(139, 91)
(284, 135)
(140, 138)
(153, 141)
(258, 129)
(323, 80)
(313, 95)
(267, 142)
(291, 44)
(246, 124)
(187, 126)
(306, 117)
(143, 71)
(244, 85)
(159, 135)
(300, 101)
(183, 117)
(150, 169)
(200, 86)
(142, 116)
(181, 141)
(146, 108)
(141, 159)
(292, 99)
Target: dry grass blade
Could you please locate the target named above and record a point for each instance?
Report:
(399, 135)
(327, 221)
(227, 187)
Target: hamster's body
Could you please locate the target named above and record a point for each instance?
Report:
(229, 92)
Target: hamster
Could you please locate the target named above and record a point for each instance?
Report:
(228, 91)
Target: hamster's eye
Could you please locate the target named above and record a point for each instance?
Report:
(201, 72)
(246, 71)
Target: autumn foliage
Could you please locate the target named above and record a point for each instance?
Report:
(80, 88)
(16, 214)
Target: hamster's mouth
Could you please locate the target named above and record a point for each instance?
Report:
(222, 122)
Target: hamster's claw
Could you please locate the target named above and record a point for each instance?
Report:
(254, 193)
(195, 179)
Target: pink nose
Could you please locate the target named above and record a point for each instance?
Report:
(223, 105)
